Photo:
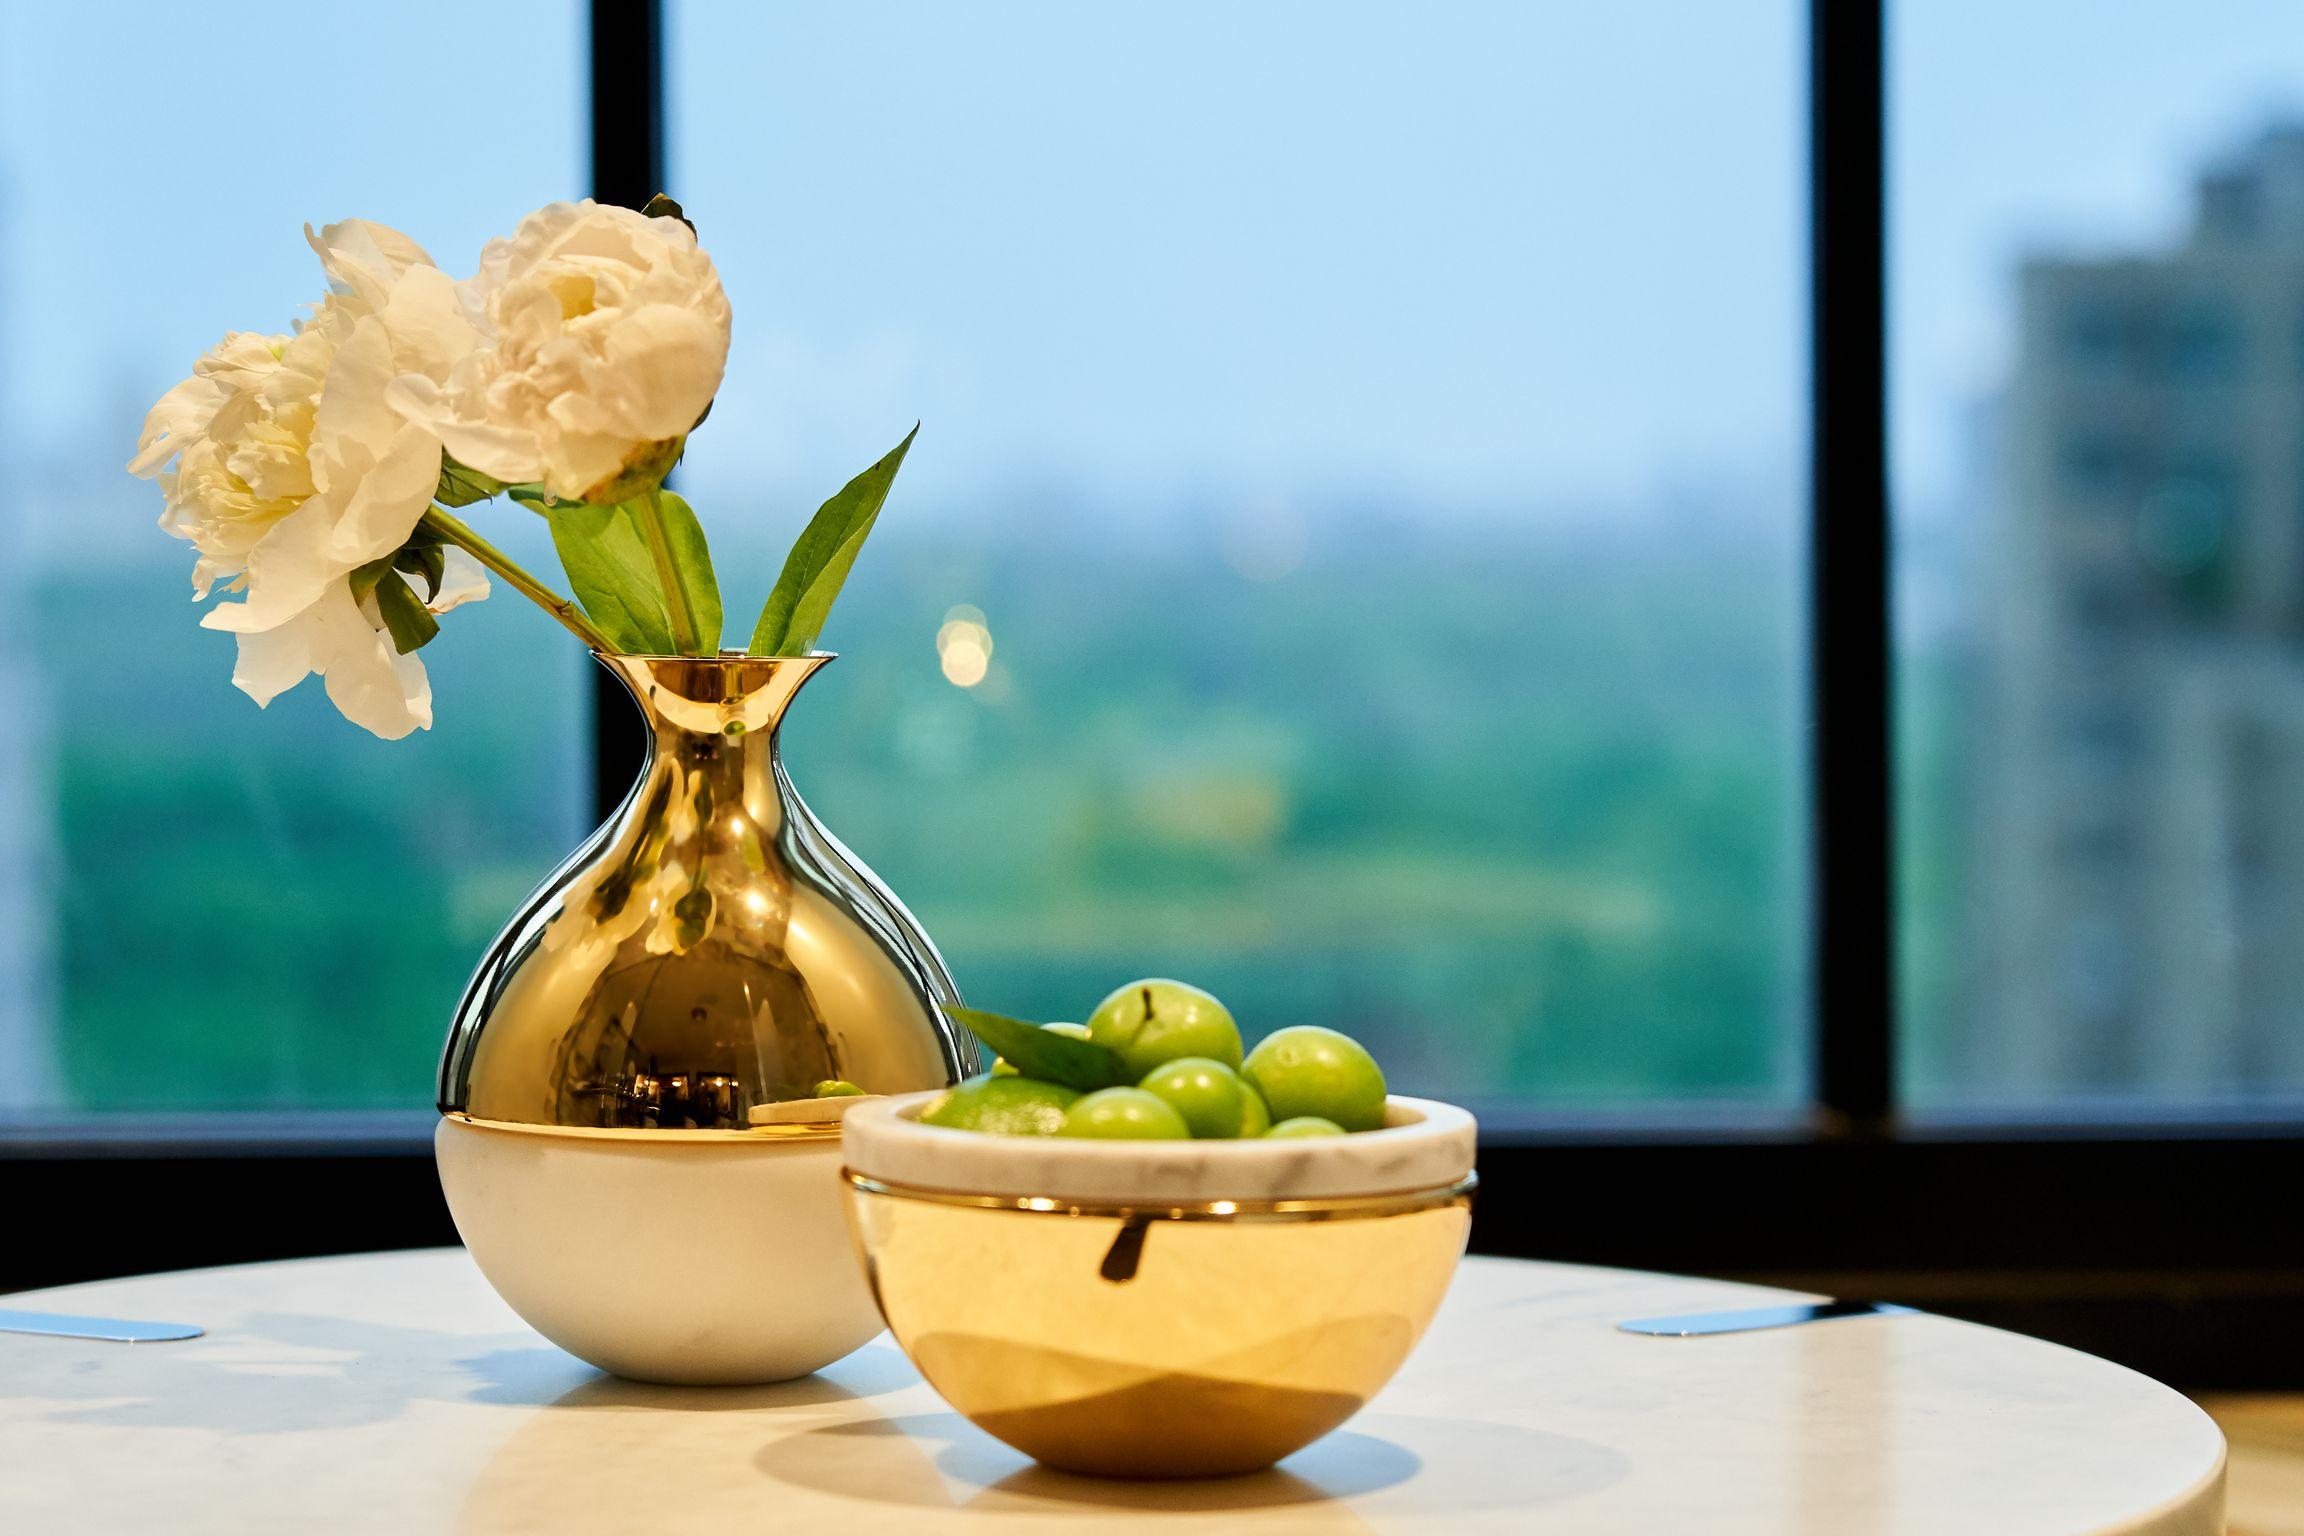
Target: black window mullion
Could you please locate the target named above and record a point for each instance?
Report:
(1850, 648)
(1851, 801)
(626, 118)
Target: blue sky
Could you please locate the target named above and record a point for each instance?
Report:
(1493, 253)
(158, 163)
(1468, 254)
(1471, 251)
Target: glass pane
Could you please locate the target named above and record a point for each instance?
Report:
(1369, 438)
(204, 906)
(2098, 309)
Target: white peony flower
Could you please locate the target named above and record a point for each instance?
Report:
(238, 430)
(344, 640)
(290, 472)
(607, 335)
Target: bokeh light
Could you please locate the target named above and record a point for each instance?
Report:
(965, 662)
(964, 645)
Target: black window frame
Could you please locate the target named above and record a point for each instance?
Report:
(2166, 1245)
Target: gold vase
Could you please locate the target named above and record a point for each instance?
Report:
(630, 1139)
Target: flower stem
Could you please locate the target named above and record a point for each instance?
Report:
(676, 609)
(455, 531)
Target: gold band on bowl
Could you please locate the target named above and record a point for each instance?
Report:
(1328, 1208)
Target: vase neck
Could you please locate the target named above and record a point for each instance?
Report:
(713, 725)
(738, 699)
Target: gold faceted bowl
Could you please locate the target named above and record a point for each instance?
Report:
(1158, 1309)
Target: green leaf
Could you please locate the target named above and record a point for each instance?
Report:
(612, 574)
(692, 566)
(425, 558)
(819, 562)
(365, 577)
(461, 485)
(406, 619)
(662, 207)
(1033, 1051)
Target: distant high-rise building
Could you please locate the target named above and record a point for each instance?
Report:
(2139, 855)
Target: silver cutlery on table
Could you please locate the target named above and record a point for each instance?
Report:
(1690, 1325)
(112, 1330)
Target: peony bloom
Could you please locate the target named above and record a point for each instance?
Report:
(239, 430)
(290, 472)
(344, 640)
(607, 334)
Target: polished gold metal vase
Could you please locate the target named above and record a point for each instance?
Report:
(631, 1139)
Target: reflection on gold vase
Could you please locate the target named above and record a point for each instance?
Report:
(636, 1057)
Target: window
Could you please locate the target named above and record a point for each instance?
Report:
(205, 907)
(1470, 331)
(1372, 440)
(2081, 945)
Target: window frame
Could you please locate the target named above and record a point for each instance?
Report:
(2147, 1242)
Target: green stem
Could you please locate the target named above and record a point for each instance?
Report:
(676, 609)
(455, 531)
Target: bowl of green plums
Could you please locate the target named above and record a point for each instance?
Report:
(1136, 1248)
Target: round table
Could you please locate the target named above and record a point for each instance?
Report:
(395, 1393)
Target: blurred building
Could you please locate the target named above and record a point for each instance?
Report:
(2140, 849)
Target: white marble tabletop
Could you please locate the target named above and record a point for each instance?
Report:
(395, 1393)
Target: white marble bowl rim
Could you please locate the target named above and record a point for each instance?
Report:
(1424, 1144)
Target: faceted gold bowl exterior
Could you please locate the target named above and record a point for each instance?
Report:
(1176, 1341)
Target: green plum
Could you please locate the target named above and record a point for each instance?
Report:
(835, 1088)
(1002, 1067)
(1002, 1106)
(1303, 1125)
(1256, 1119)
(1151, 1022)
(1123, 1114)
(1207, 1093)
(1307, 1070)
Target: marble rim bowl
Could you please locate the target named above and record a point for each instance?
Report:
(1158, 1308)
(1424, 1144)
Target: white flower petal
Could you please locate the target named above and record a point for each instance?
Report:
(287, 465)
(353, 422)
(288, 570)
(375, 687)
(425, 318)
(462, 580)
(390, 499)
(574, 461)
(181, 415)
(506, 453)
(272, 661)
(241, 359)
(606, 333)
(659, 371)
(364, 259)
